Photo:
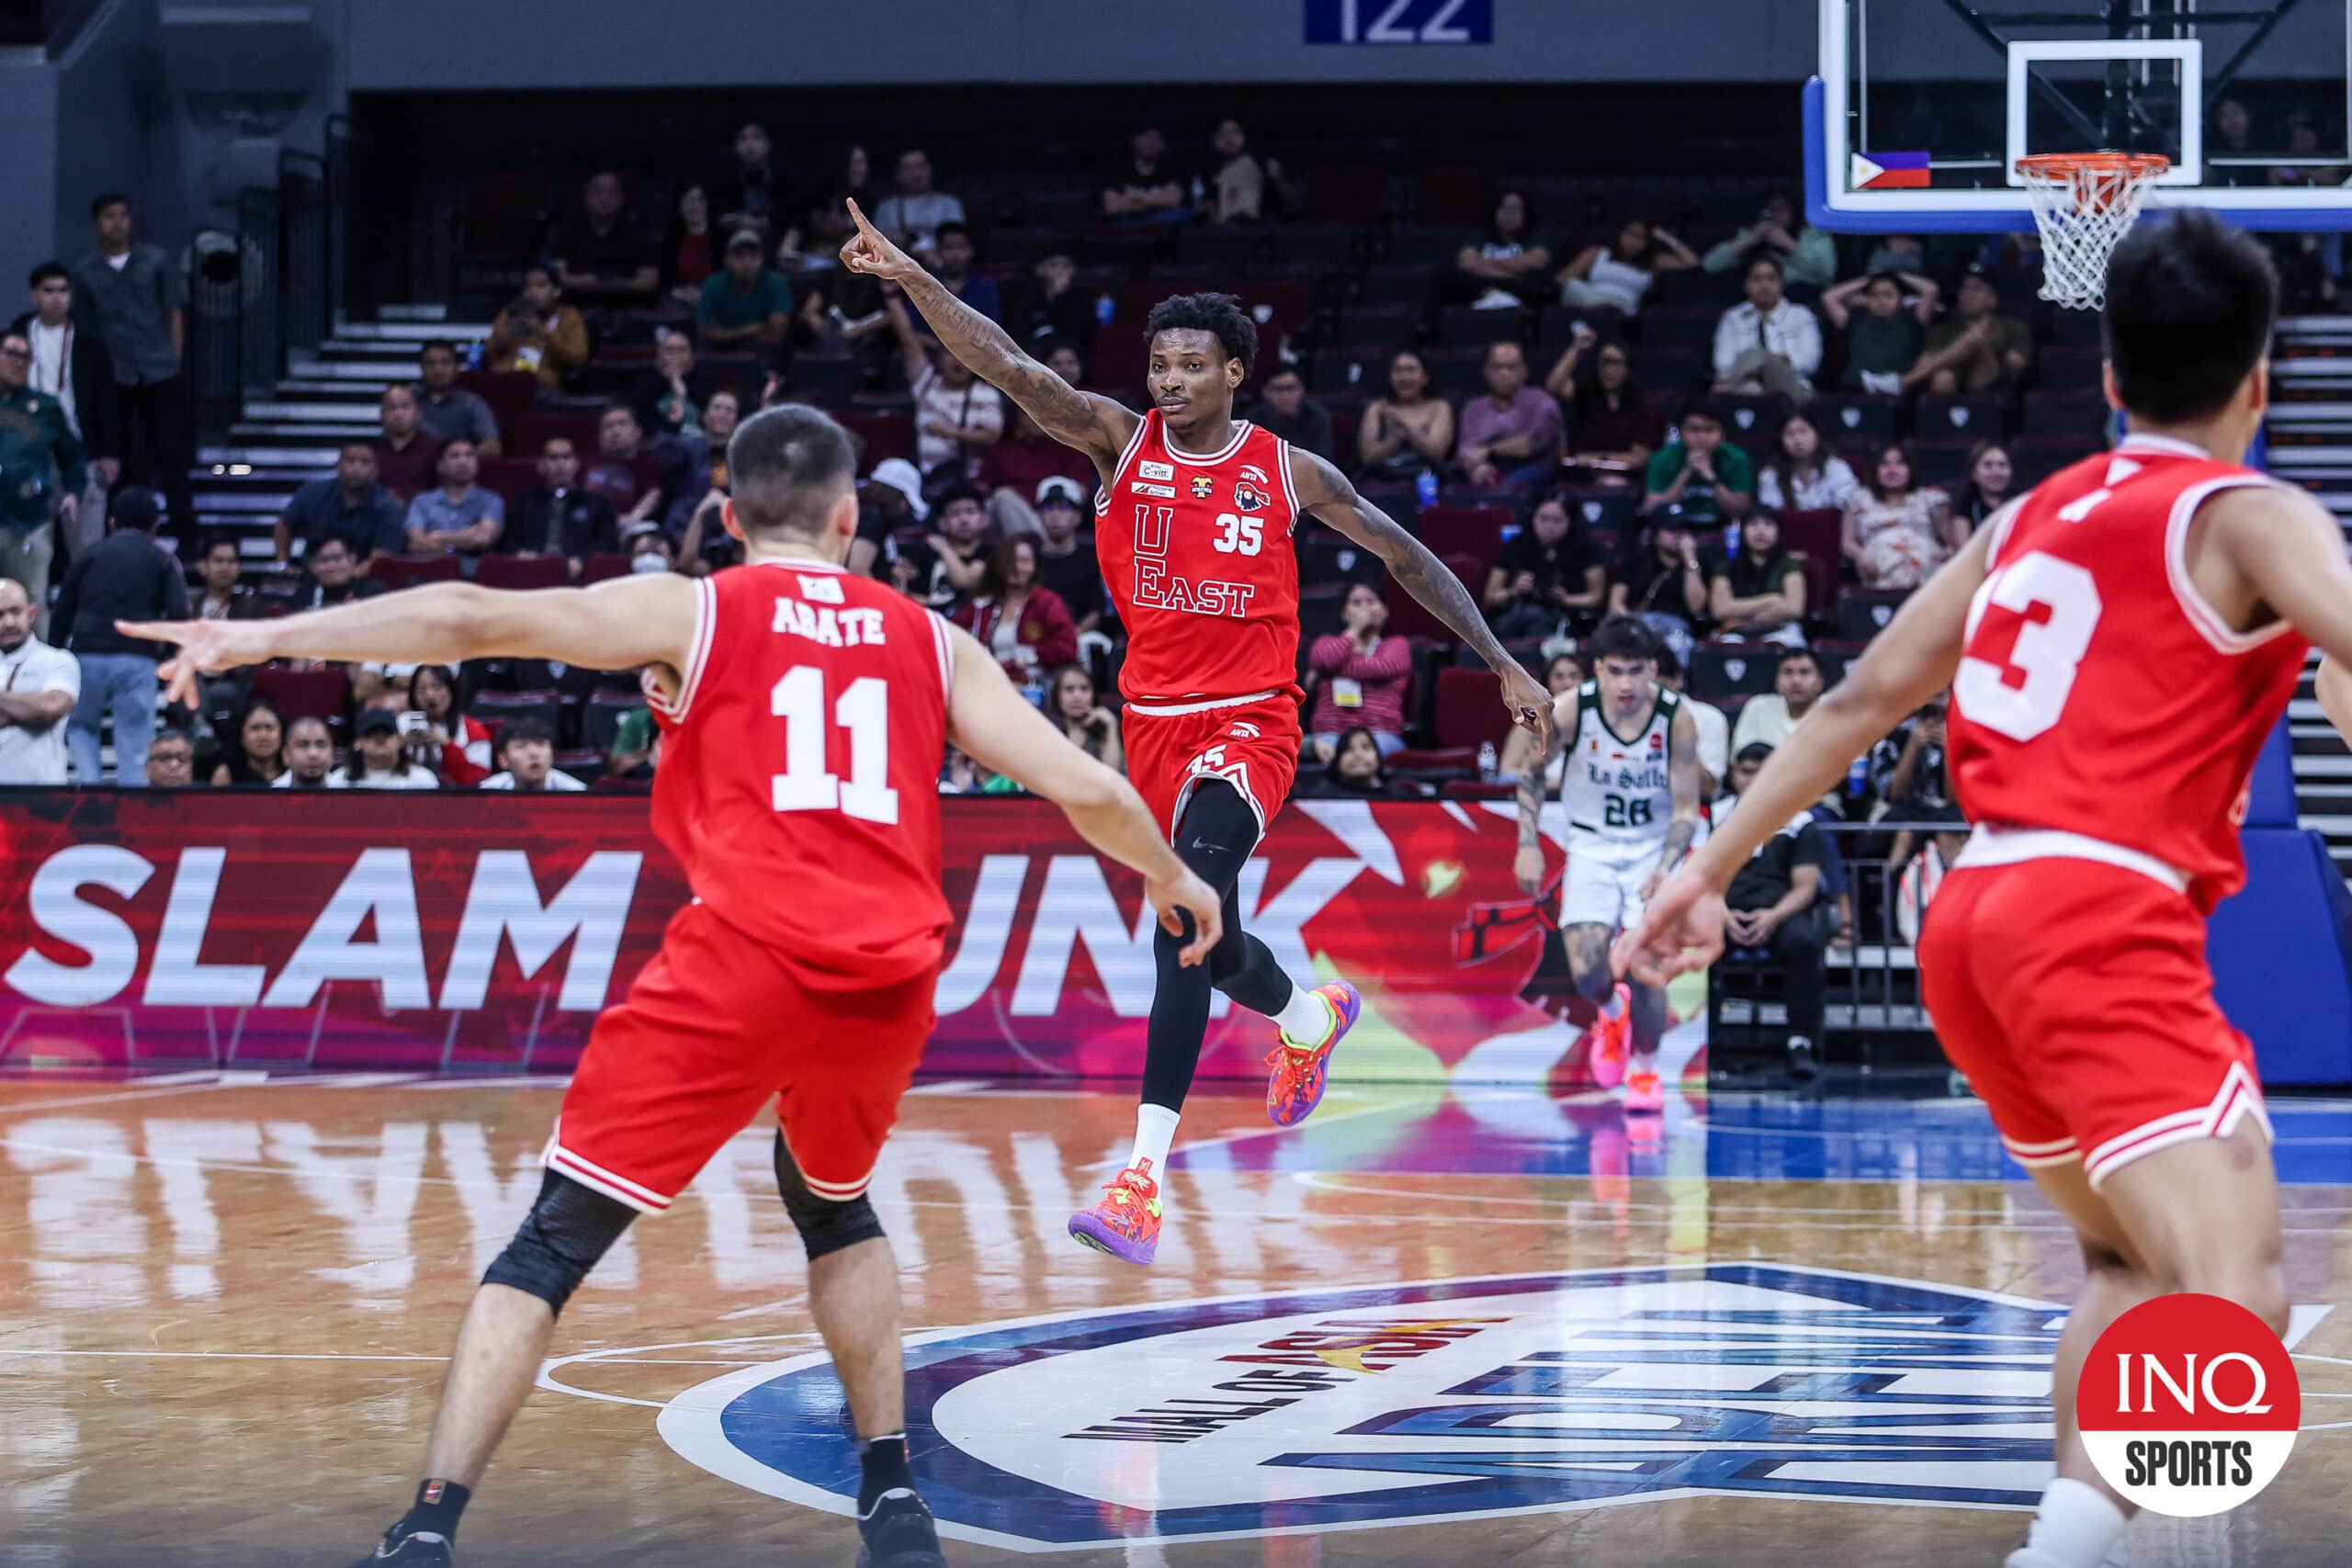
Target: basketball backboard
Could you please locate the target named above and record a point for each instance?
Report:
(1923, 107)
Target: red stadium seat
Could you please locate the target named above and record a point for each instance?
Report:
(1470, 708)
(401, 571)
(1348, 193)
(1476, 532)
(510, 394)
(522, 571)
(885, 435)
(306, 694)
(534, 429)
(603, 565)
(1406, 616)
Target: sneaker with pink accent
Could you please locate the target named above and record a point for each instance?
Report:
(1646, 1092)
(1125, 1224)
(1297, 1075)
(1613, 1038)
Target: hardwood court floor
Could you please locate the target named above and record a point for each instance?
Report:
(223, 1303)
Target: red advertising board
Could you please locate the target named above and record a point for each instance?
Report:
(483, 932)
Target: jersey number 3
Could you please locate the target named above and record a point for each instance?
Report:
(864, 711)
(2058, 606)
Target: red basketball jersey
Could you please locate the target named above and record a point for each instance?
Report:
(2097, 694)
(1197, 553)
(799, 776)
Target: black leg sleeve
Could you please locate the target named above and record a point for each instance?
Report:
(1214, 837)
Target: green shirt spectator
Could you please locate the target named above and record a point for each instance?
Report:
(1976, 348)
(632, 753)
(748, 303)
(1807, 255)
(40, 457)
(1704, 480)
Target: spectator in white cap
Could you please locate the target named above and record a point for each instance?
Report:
(747, 304)
(1066, 560)
(891, 498)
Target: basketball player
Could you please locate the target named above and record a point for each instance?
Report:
(1630, 787)
(2119, 643)
(804, 712)
(1193, 523)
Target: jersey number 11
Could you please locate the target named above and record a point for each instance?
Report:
(864, 711)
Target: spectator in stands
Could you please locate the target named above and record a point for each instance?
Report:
(218, 570)
(625, 472)
(171, 759)
(1907, 770)
(600, 252)
(1238, 191)
(949, 563)
(71, 365)
(379, 759)
(1699, 480)
(1976, 348)
(258, 757)
(42, 474)
(955, 274)
(1066, 559)
(1358, 676)
(1411, 429)
(1770, 343)
(1796, 686)
(39, 685)
(526, 753)
(829, 220)
(538, 332)
(1804, 475)
(889, 500)
(1897, 253)
(1064, 360)
(1806, 253)
(1287, 410)
(1665, 587)
(1549, 574)
(1058, 308)
(912, 213)
(408, 459)
(1989, 487)
(135, 297)
(751, 195)
(636, 747)
(449, 742)
(748, 305)
(460, 517)
(1562, 674)
(124, 577)
(1091, 727)
(334, 579)
(1896, 530)
(1882, 337)
(445, 410)
(348, 505)
(1613, 430)
(648, 548)
(958, 416)
(669, 397)
(1514, 424)
(1774, 905)
(555, 516)
(688, 257)
(1712, 723)
(693, 516)
(1016, 469)
(308, 760)
(1509, 263)
(1022, 622)
(1356, 770)
(1146, 186)
(1618, 276)
(1758, 591)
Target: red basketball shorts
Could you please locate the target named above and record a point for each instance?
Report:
(2074, 995)
(715, 1027)
(1252, 745)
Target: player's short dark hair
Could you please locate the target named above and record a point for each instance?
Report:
(1219, 313)
(1620, 637)
(2190, 303)
(105, 199)
(46, 271)
(788, 467)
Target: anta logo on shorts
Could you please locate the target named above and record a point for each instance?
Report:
(1327, 1410)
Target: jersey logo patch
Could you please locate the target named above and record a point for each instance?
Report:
(1165, 492)
(821, 590)
(1202, 487)
(1248, 497)
(1152, 470)
(1657, 743)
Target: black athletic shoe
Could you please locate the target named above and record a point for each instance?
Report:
(1803, 1064)
(899, 1534)
(421, 1550)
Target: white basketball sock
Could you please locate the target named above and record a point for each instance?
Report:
(1306, 1020)
(2074, 1528)
(1155, 1129)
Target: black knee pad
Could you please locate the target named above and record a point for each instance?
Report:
(568, 1231)
(825, 1226)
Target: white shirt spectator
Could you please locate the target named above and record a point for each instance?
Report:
(1824, 489)
(1792, 332)
(559, 782)
(335, 780)
(1715, 737)
(1765, 718)
(914, 221)
(35, 756)
(977, 406)
(409, 776)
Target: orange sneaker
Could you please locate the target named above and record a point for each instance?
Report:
(1611, 1038)
(1644, 1093)
(1125, 1224)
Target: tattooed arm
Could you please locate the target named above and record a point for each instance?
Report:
(1094, 425)
(1327, 493)
(1682, 777)
(1534, 782)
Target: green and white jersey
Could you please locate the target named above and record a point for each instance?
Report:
(1617, 788)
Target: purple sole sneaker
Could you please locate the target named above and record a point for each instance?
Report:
(1090, 1229)
(1295, 1080)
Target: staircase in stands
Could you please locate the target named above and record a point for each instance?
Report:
(243, 482)
(2310, 443)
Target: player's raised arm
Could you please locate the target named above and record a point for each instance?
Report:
(1331, 496)
(618, 625)
(998, 727)
(1912, 660)
(1094, 425)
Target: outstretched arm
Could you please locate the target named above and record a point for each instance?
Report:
(1534, 780)
(1328, 495)
(619, 624)
(1094, 425)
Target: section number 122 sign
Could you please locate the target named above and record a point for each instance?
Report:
(1400, 21)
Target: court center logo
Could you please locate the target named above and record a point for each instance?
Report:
(1422, 1403)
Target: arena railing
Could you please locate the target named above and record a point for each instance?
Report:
(264, 291)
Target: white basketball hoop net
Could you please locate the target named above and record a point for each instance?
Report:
(2084, 203)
